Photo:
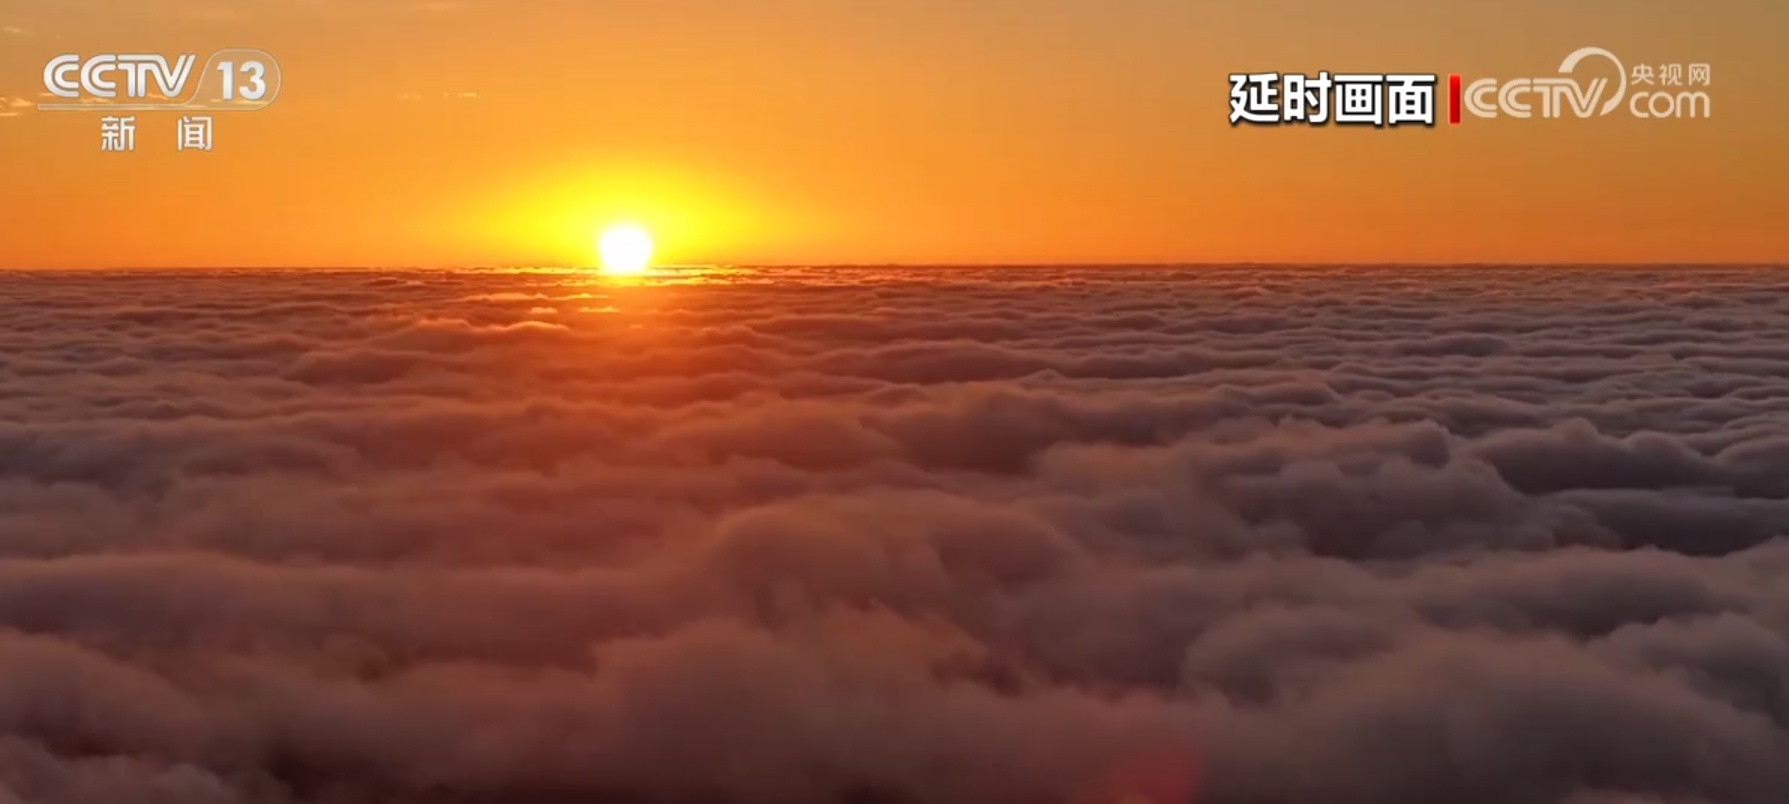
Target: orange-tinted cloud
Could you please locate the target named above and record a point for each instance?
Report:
(937, 537)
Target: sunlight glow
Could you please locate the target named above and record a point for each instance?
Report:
(624, 249)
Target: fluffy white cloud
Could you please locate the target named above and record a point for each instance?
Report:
(956, 536)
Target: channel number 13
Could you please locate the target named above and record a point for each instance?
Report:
(254, 80)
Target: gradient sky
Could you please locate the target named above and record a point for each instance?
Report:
(864, 131)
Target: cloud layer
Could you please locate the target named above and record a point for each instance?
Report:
(880, 537)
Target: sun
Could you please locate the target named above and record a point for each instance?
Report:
(624, 250)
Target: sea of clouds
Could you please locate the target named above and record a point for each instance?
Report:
(1039, 536)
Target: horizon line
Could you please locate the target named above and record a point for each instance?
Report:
(1753, 264)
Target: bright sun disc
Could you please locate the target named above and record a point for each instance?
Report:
(624, 249)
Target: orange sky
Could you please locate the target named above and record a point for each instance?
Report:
(753, 131)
